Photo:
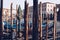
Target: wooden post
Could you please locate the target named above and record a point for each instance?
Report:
(35, 20)
(11, 20)
(1, 11)
(2, 20)
(26, 20)
(47, 26)
(7, 19)
(40, 20)
(11, 16)
(27, 23)
(55, 20)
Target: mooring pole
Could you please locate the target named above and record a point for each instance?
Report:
(40, 19)
(55, 20)
(1, 11)
(47, 26)
(7, 19)
(11, 15)
(27, 23)
(35, 20)
(26, 20)
(16, 22)
(2, 20)
(11, 20)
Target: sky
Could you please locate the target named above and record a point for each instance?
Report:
(6, 3)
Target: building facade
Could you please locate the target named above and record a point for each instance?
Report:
(7, 14)
(47, 7)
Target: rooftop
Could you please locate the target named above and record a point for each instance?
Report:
(48, 2)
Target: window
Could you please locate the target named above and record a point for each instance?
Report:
(51, 9)
(48, 9)
(48, 5)
(44, 9)
(51, 5)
